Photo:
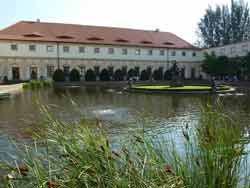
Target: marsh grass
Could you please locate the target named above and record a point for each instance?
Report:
(80, 155)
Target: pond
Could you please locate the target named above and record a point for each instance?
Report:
(121, 113)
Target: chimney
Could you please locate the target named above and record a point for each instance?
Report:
(38, 20)
(157, 30)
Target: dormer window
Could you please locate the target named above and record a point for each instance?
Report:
(35, 34)
(168, 43)
(121, 40)
(64, 37)
(94, 38)
(146, 42)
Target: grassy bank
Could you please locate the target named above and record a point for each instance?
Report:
(81, 155)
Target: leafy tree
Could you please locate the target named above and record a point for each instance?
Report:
(118, 75)
(74, 75)
(224, 25)
(144, 75)
(90, 75)
(59, 76)
(105, 75)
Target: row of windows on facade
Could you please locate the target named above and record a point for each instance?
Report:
(81, 49)
(233, 50)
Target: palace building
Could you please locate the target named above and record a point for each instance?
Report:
(34, 50)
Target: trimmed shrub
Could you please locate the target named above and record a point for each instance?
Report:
(90, 75)
(144, 75)
(168, 75)
(131, 73)
(74, 75)
(59, 76)
(104, 76)
(118, 75)
(158, 74)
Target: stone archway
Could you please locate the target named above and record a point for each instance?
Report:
(118, 75)
(15, 73)
(104, 75)
(145, 75)
(33, 73)
(74, 75)
(158, 74)
(167, 75)
(90, 75)
(131, 73)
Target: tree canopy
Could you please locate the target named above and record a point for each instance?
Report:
(224, 25)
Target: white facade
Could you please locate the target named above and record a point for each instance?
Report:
(16, 54)
(232, 50)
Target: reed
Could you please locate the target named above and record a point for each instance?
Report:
(81, 155)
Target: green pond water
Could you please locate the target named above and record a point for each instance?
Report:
(121, 113)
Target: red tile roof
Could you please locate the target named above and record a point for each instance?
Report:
(69, 33)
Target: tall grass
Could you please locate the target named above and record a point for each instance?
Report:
(214, 156)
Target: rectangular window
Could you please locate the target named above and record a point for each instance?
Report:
(97, 50)
(183, 53)
(233, 50)
(81, 49)
(222, 51)
(194, 54)
(50, 71)
(111, 50)
(65, 49)
(50, 48)
(14, 47)
(32, 48)
(150, 52)
(137, 52)
(173, 53)
(124, 51)
(244, 48)
(162, 52)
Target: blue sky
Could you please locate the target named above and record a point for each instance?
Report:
(177, 16)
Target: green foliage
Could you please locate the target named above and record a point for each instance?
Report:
(59, 76)
(37, 84)
(82, 156)
(105, 75)
(144, 75)
(118, 76)
(221, 66)
(158, 74)
(224, 25)
(90, 75)
(74, 75)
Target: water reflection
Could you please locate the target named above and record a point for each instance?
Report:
(121, 112)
